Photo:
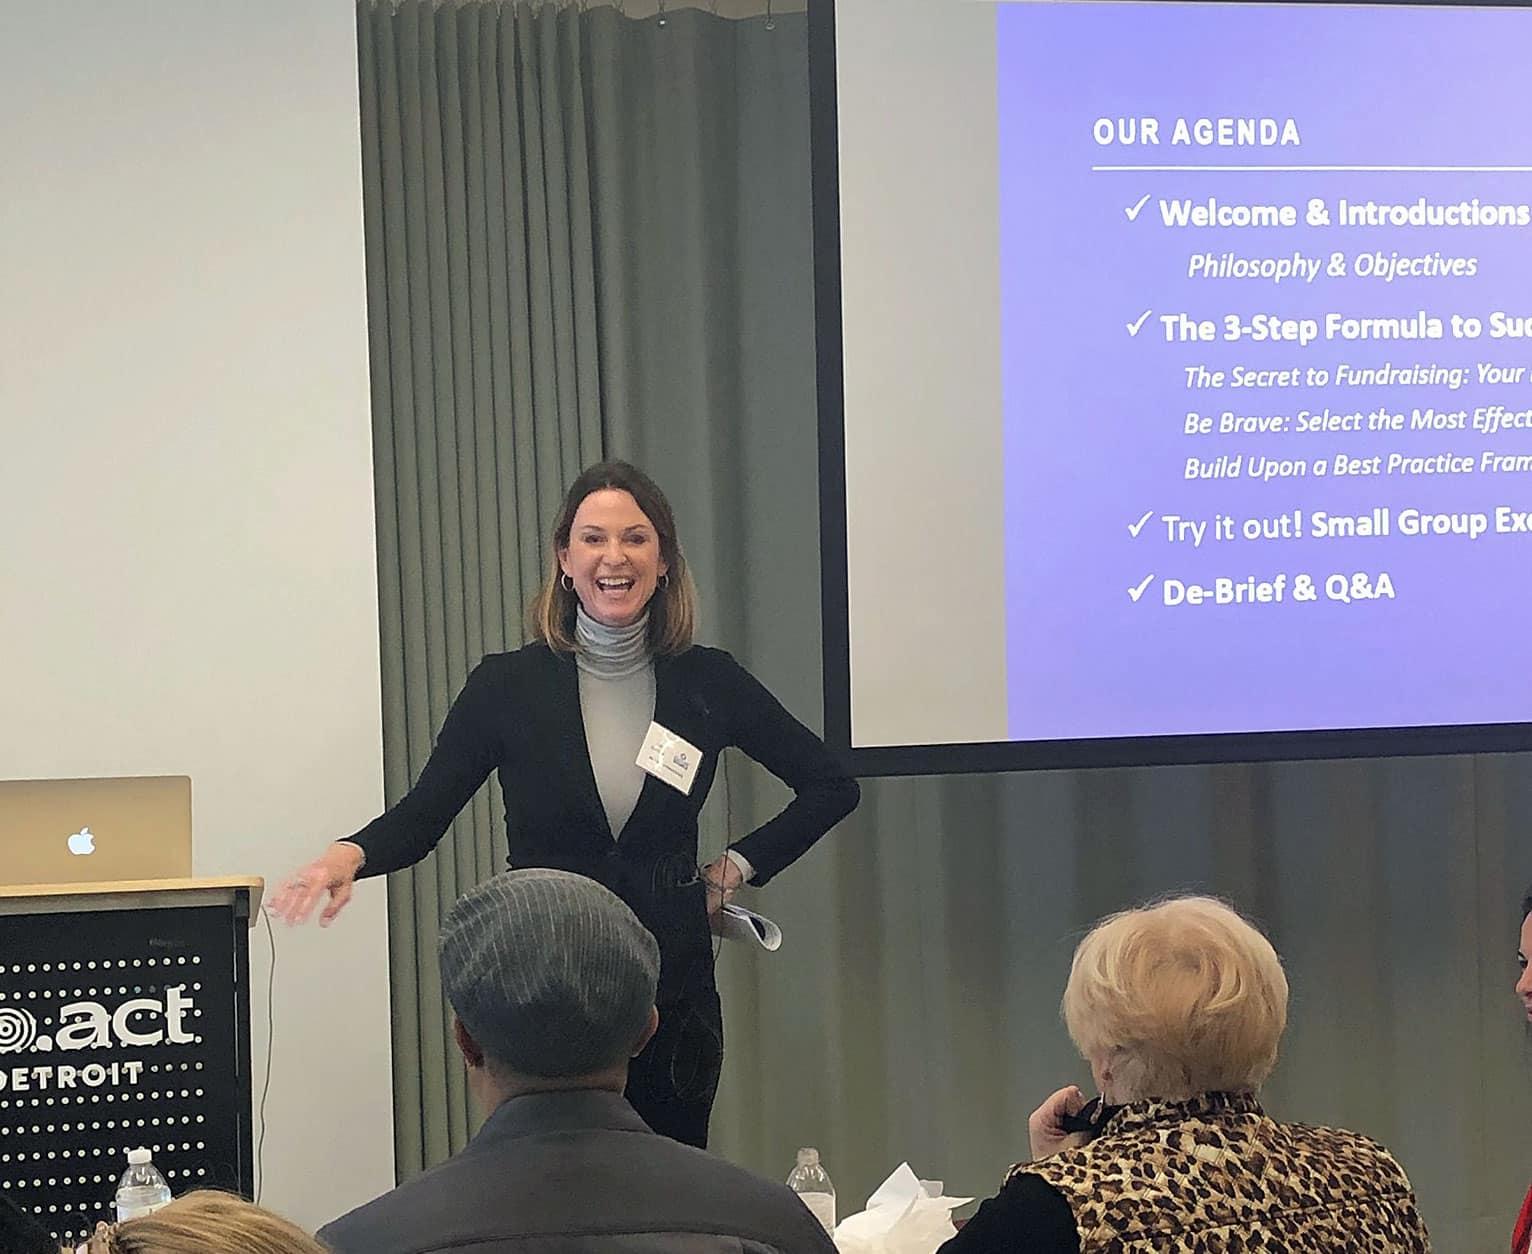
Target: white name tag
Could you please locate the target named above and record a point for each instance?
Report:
(668, 757)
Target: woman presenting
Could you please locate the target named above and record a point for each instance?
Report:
(613, 680)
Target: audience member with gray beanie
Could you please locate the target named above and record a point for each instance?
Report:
(552, 979)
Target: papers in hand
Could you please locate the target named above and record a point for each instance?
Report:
(737, 923)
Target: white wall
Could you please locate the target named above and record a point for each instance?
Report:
(187, 580)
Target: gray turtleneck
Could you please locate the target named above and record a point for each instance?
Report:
(617, 704)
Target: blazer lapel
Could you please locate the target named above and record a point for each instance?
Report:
(571, 751)
(652, 790)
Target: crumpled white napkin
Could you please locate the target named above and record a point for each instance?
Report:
(906, 1215)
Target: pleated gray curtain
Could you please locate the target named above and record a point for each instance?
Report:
(589, 235)
(486, 402)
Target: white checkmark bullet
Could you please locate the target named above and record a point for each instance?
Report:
(1135, 528)
(1142, 318)
(1137, 592)
(1133, 212)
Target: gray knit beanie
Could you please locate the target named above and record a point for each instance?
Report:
(550, 972)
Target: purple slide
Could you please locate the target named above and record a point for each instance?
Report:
(1266, 280)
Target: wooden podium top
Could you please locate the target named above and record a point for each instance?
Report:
(131, 895)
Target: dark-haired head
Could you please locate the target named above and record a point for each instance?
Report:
(667, 593)
(20, 1233)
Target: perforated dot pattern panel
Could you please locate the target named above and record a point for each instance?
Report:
(117, 1029)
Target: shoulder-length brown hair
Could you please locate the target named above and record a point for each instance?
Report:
(205, 1222)
(672, 609)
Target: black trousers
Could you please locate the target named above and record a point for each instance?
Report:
(673, 1082)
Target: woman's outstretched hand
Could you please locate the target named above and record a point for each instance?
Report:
(332, 873)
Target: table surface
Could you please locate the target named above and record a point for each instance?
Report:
(118, 893)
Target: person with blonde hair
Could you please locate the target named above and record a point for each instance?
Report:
(204, 1222)
(1179, 1008)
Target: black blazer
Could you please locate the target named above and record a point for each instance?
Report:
(519, 713)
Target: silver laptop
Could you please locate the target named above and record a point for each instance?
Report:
(90, 831)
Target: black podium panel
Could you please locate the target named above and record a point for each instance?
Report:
(121, 1028)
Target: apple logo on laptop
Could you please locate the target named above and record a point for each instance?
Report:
(82, 842)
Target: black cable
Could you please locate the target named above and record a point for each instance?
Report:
(21, 1231)
(271, 1030)
(695, 1024)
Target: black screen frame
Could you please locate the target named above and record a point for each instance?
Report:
(1014, 755)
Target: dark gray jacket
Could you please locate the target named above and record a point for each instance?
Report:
(554, 1173)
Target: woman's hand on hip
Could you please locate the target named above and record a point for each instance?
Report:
(332, 873)
(723, 879)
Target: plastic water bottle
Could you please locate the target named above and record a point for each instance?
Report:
(142, 1190)
(812, 1184)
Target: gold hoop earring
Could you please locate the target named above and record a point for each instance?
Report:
(566, 583)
